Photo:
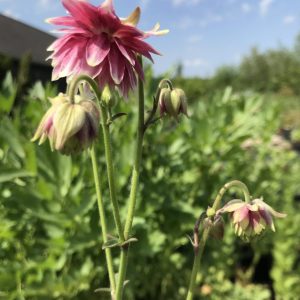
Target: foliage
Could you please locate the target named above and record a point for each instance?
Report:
(271, 71)
(49, 231)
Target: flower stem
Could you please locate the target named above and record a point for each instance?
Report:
(134, 187)
(108, 255)
(107, 145)
(196, 264)
(110, 172)
(234, 183)
(199, 247)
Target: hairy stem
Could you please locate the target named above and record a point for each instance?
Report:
(134, 188)
(110, 172)
(108, 255)
(199, 247)
(107, 145)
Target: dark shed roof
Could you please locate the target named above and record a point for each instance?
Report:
(17, 38)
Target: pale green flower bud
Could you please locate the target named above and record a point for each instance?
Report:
(107, 97)
(70, 127)
(172, 102)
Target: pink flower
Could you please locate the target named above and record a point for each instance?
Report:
(96, 42)
(250, 219)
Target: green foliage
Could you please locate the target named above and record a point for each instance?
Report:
(49, 230)
(275, 70)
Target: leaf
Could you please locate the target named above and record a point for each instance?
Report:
(111, 243)
(10, 175)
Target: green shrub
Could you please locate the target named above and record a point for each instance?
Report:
(49, 231)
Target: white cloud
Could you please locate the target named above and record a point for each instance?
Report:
(195, 62)
(44, 3)
(185, 2)
(11, 14)
(246, 8)
(185, 23)
(47, 5)
(216, 18)
(289, 19)
(264, 6)
(144, 4)
(193, 39)
(209, 20)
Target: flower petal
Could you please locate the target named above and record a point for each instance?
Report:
(116, 65)
(82, 11)
(126, 52)
(62, 21)
(267, 217)
(133, 18)
(267, 207)
(155, 31)
(97, 49)
(108, 6)
(232, 206)
(240, 214)
(68, 120)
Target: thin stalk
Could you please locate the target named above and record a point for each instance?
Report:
(107, 145)
(110, 172)
(108, 255)
(196, 264)
(199, 247)
(134, 188)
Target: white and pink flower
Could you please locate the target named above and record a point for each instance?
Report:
(250, 219)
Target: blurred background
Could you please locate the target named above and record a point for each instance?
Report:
(239, 63)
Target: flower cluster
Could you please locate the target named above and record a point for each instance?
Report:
(96, 42)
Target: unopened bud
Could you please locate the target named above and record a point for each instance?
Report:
(210, 212)
(216, 226)
(172, 102)
(70, 127)
(107, 97)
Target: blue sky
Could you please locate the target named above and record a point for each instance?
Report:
(204, 34)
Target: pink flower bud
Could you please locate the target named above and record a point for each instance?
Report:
(250, 219)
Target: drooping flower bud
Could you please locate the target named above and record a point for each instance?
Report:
(216, 226)
(250, 219)
(70, 127)
(172, 102)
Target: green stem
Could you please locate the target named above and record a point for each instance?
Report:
(107, 145)
(196, 264)
(110, 172)
(199, 247)
(108, 255)
(134, 188)
(234, 183)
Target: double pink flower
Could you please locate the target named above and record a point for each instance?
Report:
(98, 43)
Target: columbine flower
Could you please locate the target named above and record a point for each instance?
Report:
(172, 102)
(98, 43)
(250, 219)
(70, 127)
